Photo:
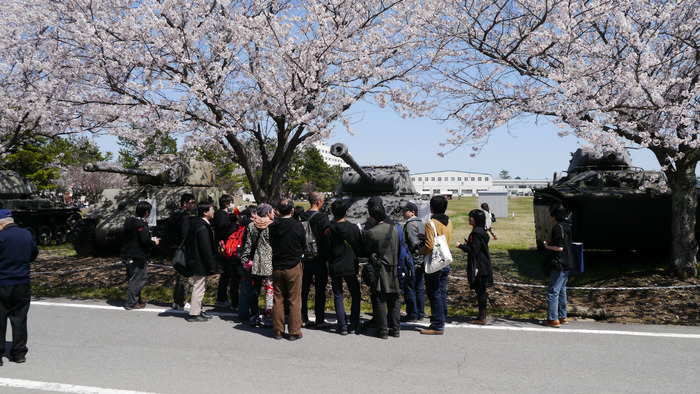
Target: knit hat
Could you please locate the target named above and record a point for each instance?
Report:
(264, 209)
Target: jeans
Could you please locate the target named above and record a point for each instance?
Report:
(556, 294)
(354, 289)
(316, 273)
(436, 289)
(414, 295)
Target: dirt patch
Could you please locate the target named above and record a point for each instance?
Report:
(654, 303)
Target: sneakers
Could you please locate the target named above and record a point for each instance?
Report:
(382, 335)
(137, 306)
(564, 321)
(18, 359)
(177, 307)
(395, 333)
(343, 331)
(406, 319)
(550, 323)
(197, 319)
(222, 304)
(430, 331)
(205, 315)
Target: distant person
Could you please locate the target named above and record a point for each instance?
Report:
(287, 238)
(257, 260)
(201, 258)
(479, 268)
(178, 227)
(414, 290)
(298, 210)
(383, 240)
(229, 278)
(344, 239)
(561, 262)
(374, 200)
(490, 218)
(316, 268)
(137, 243)
(436, 283)
(17, 250)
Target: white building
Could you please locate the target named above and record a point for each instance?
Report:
(325, 152)
(454, 183)
(520, 187)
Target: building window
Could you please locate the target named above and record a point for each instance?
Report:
(459, 178)
(486, 178)
(479, 178)
(467, 191)
(439, 179)
(472, 179)
(419, 179)
(432, 178)
(413, 178)
(436, 191)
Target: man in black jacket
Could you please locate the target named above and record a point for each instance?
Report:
(316, 269)
(178, 226)
(17, 250)
(136, 253)
(201, 258)
(287, 238)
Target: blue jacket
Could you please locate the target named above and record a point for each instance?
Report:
(17, 250)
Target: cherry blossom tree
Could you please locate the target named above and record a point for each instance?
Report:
(622, 73)
(260, 78)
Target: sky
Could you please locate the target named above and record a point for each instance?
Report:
(381, 137)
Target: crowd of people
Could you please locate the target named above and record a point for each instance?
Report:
(283, 251)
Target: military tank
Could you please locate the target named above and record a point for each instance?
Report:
(49, 221)
(359, 183)
(160, 182)
(613, 205)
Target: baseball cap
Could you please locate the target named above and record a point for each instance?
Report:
(5, 213)
(409, 206)
(375, 200)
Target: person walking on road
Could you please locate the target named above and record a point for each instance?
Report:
(17, 250)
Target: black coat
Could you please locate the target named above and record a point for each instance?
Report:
(343, 242)
(201, 249)
(136, 240)
(479, 268)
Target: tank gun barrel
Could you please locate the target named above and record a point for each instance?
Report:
(341, 150)
(92, 167)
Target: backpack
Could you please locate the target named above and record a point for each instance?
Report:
(311, 244)
(233, 244)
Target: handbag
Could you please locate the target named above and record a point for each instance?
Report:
(180, 262)
(441, 256)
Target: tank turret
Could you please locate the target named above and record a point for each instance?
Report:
(49, 221)
(161, 182)
(165, 171)
(359, 183)
(613, 205)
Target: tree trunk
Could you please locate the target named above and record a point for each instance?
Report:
(684, 246)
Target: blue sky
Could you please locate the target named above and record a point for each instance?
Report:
(381, 137)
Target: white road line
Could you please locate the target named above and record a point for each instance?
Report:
(487, 327)
(62, 388)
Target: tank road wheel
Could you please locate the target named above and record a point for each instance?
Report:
(83, 237)
(43, 235)
(72, 221)
(60, 234)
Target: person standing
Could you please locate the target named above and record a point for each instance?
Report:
(490, 218)
(382, 240)
(344, 239)
(316, 269)
(287, 238)
(414, 293)
(436, 283)
(178, 227)
(479, 268)
(201, 258)
(17, 250)
(561, 262)
(229, 278)
(257, 258)
(136, 253)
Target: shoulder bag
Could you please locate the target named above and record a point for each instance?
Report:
(441, 256)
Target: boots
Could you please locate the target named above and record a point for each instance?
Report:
(481, 320)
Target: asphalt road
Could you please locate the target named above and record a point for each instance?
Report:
(88, 346)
